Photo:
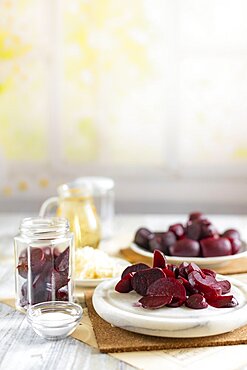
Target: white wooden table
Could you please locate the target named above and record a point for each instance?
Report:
(21, 348)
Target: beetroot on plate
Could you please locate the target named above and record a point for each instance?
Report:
(144, 278)
(168, 287)
(236, 245)
(225, 286)
(124, 285)
(209, 272)
(196, 301)
(153, 302)
(196, 216)
(207, 229)
(134, 268)
(159, 259)
(177, 229)
(141, 237)
(182, 269)
(193, 230)
(226, 301)
(213, 247)
(162, 240)
(231, 233)
(207, 285)
(185, 248)
(155, 243)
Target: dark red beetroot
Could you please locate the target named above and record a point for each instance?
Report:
(196, 301)
(193, 267)
(207, 229)
(162, 240)
(134, 268)
(193, 230)
(207, 285)
(141, 237)
(209, 272)
(144, 278)
(225, 286)
(159, 259)
(236, 245)
(196, 216)
(168, 287)
(124, 285)
(153, 302)
(155, 243)
(177, 229)
(213, 247)
(22, 268)
(182, 269)
(62, 294)
(231, 233)
(62, 261)
(185, 248)
(225, 301)
(37, 259)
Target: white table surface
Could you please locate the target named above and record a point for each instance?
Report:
(21, 348)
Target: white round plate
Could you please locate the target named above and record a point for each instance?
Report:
(181, 322)
(92, 283)
(210, 262)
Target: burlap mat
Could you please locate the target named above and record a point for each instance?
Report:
(112, 339)
(237, 266)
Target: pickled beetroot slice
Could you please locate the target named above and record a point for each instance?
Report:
(23, 268)
(152, 302)
(225, 286)
(62, 261)
(159, 259)
(37, 259)
(193, 267)
(168, 272)
(196, 301)
(226, 301)
(207, 285)
(134, 268)
(144, 278)
(209, 272)
(168, 287)
(124, 285)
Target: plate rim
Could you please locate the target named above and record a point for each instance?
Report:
(143, 319)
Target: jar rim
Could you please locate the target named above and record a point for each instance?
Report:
(44, 227)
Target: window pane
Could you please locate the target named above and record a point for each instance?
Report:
(113, 89)
(213, 126)
(23, 90)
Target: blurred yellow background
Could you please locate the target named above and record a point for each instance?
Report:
(151, 93)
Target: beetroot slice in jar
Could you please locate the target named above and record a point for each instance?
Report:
(196, 301)
(159, 259)
(226, 301)
(134, 268)
(144, 278)
(37, 259)
(124, 285)
(62, 261)
(153, 302)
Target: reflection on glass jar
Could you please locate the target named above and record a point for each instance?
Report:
(43, 261)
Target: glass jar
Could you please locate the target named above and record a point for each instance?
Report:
(102, 189)
(43, 261)
(76, 203)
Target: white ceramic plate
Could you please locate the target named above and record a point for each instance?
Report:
(181, 322)
(92, 283)
(210, 262)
